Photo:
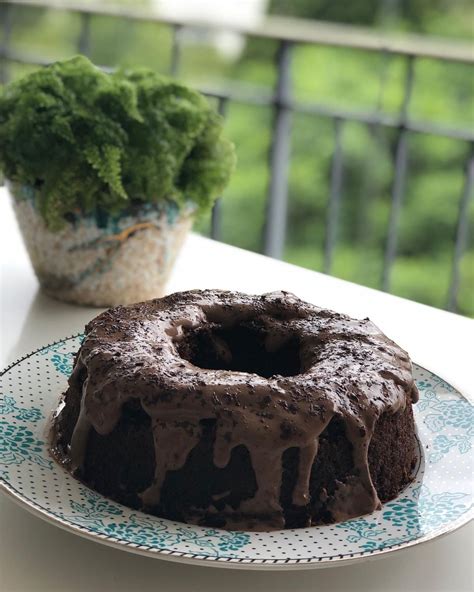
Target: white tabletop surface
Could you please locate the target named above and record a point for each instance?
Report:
(37, 556)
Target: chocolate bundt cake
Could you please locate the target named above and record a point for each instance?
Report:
(238, 411)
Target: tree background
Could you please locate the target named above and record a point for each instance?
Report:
(443, 93)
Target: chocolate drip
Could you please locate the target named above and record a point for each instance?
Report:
(301, 490)
(174, 440)
(80, 436)
(345, 368)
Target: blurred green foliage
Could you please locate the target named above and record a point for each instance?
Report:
(352, 79)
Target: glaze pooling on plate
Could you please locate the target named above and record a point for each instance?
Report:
(438, 501)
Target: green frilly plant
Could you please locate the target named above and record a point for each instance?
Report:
(86, 140)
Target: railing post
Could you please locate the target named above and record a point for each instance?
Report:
(368, 190)
(6, 19)
(462, 230)
(276, 209)
(84, 41)
(401, 163)
(334, 203)
(216, 215)
(175, 50)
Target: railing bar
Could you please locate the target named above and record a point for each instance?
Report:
(216, 215)
(364, 224)
(398, 190)
(274, 230)
(216, 219)
(401, 162)
(300, 107)
(462, 231)
(19, 58)
(84, 41)
(437, 130)
(384, 68)
(175, 50)
(409, 79)
(292, 30)
(6, 18)
(334, 203)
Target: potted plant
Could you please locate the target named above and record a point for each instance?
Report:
(107, 173)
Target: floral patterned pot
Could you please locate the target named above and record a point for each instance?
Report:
(103, 261)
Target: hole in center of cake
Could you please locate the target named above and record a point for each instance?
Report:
(244, 347)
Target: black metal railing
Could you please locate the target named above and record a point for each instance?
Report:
(288, 33)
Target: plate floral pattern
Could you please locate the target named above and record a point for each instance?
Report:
(438, 501)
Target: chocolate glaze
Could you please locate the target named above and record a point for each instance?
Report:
(347, 368)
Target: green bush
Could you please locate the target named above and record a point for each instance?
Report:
(86, 140)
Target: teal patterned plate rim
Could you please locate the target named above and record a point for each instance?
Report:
(437, 502)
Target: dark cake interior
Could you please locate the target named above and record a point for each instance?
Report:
(121, 464)
(242, 350)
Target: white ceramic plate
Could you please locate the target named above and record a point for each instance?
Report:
(437, 502)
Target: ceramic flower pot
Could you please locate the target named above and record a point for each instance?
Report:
(103, 260)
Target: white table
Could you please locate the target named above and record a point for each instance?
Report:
(37, 556)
